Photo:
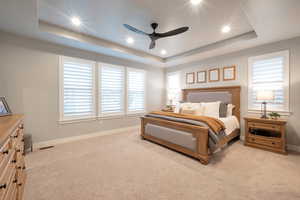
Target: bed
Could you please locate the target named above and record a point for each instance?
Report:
(195, 135)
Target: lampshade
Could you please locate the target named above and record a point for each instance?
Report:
(265, 95)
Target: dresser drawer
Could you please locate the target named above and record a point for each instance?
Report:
(271, 127)
(7, 177)
(5, 153)
(261, 141)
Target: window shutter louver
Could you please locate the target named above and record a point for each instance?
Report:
(270, 72)
(135, 91)
(78, 89)
(111, 90)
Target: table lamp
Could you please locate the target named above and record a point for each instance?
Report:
(264, 95)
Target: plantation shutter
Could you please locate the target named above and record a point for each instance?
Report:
(112, 82)
(270, 73)
(135, 91)
(173, 88)
(78, 88)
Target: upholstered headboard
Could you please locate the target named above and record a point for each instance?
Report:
(229, 94)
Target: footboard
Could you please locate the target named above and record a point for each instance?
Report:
(200, 134)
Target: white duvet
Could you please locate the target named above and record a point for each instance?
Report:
(231, 123)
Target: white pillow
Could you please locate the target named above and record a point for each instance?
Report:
(230, 108)
(191, 108)
(212, 109)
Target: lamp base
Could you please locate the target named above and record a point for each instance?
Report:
(264, 110)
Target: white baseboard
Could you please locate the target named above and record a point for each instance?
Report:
(82, 137)
(293, 147)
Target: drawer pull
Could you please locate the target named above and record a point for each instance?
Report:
(13, 161)
(273, 143)
(24, 167)
(18, 150)
(19, 167)
(15, 181)
(5, 152)
(20, 184)
(3, 186)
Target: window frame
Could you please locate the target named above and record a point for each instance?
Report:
(128, 113)
(62, 118)
(99, 97)
(286, 80)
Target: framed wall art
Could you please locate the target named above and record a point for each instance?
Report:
(214, 75)
(201, 77)
(4, 109)
(229, 73)
(190, 78)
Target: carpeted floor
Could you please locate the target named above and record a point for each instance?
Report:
(122, 166)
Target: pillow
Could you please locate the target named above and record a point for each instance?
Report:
(223, 109)
(191, 108)
(230, 108)
(212, 109)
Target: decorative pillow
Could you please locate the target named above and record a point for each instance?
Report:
(191, 108)
(212, 109)
(223, 109)
(230, 108)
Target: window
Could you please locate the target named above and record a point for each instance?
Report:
(135, 91)
(111, 89)
(77, 89)
(108, 90)
(269, 72)
(173, 88)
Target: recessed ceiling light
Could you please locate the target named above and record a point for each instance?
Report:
(226, 29)
(76, 21)
(130, 40)
(195, 2)
(163, 52)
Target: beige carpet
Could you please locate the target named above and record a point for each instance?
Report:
(122, 166)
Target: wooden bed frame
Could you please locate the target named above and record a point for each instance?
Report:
(200, 133)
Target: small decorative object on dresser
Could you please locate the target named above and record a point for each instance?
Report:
(12, 164)
(268, 134)
(4, 109)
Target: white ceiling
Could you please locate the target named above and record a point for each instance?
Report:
(105, 19)
(272, 20)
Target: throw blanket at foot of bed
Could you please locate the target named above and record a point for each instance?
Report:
(215, 124)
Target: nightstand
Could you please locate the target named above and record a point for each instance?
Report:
(267, 134)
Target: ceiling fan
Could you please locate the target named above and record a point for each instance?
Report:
(155, 36)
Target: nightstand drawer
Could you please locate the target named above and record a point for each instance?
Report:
(265, 126)
(270, 143)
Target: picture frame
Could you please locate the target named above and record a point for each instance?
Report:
(4, 108)
(201, 77)
(190, 78)
(229, 73)
(214, 75)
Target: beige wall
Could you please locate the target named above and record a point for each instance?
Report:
(241, 60)
(29, 80)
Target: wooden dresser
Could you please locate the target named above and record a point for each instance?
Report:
(12, 165)
(266, 134)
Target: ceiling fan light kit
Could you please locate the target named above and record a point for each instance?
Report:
(154, 35)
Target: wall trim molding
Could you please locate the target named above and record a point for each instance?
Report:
(38, 145)
(292, 147)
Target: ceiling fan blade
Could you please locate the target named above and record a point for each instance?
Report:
(134, 29)
(173, 32)
(152, 44)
